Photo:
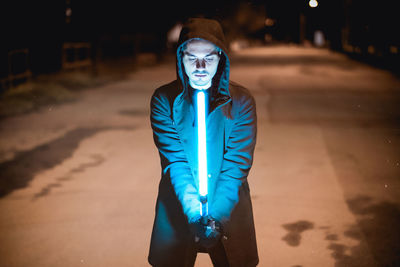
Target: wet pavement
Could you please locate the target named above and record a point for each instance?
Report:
(79, 180)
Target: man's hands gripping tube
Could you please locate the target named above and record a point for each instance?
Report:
(207, 231)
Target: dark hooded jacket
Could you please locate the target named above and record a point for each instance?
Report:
(231, 138)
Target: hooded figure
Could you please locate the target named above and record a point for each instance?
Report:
(231, 137)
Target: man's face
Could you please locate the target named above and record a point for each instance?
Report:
(200, 60)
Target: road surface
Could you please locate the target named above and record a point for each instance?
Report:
(79, 180)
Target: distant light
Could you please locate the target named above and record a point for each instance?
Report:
(371, 49)
(393, 49)
(269, 22)
(319, 39)
(173, 33)
(68, 12)
(313, 3)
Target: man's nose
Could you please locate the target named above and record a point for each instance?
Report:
(200, 63)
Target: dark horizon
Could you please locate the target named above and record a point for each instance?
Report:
(26, 20)
(122, 28)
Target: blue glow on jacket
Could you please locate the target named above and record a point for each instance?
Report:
(230, 143)
(231, 136)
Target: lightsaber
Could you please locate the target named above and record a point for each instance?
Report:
(202, 152)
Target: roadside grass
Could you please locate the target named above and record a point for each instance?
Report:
(64, 86)
(76, 80)
(45, 90)
(32, 95)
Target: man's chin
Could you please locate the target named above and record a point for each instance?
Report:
(200, 83)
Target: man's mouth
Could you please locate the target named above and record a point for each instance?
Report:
(200, 75)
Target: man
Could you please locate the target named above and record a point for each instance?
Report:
(227, 232)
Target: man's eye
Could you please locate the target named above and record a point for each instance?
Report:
(209, 59)
(192, 58)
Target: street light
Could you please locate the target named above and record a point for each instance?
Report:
(313, 3)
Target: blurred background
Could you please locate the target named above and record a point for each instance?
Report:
(79, 171)
(49, 36)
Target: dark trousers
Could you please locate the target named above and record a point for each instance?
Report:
(217, 255)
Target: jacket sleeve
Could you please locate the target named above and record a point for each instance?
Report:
(174, 162)
(237, 161)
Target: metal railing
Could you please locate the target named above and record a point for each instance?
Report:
(76, 55)
(18, 68)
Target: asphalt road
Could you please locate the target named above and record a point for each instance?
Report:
(79, 180)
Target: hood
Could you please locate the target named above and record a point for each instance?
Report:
(211, 31)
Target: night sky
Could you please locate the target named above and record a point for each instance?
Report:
(42, 26)
(26, 20)
(32, 19)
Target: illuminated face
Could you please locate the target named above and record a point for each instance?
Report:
(200, 60)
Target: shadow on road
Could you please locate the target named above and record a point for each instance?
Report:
(293, 238)
(134, 112)
(96, 161)
(379, 224)
(18, 172)
(377, 233)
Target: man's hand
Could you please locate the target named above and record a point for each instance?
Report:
(207, 231)
(197, 228)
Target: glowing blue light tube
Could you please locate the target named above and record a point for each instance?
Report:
(202, 151)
